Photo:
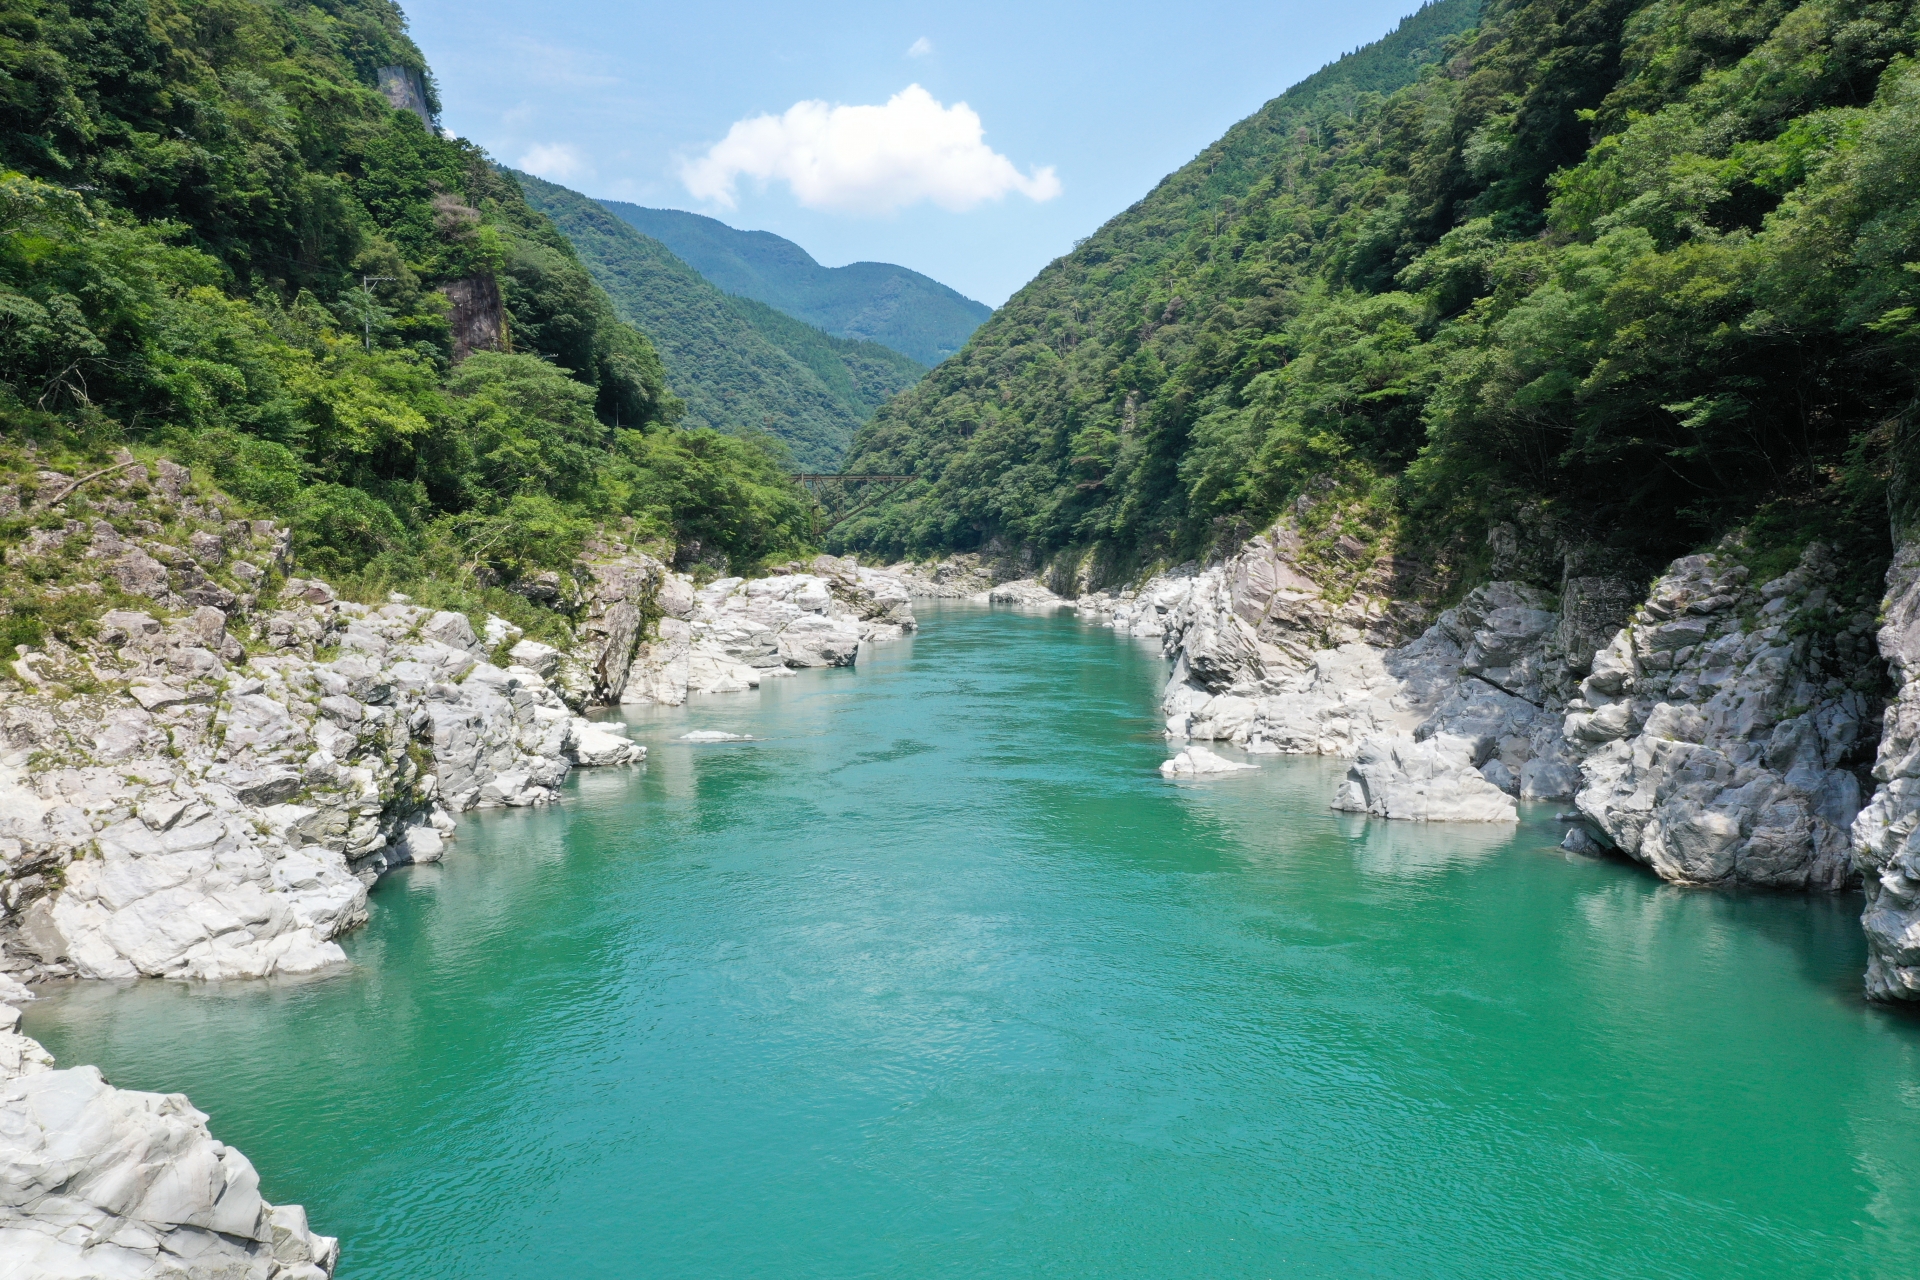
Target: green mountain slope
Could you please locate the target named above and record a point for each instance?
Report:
(220, 240)
(1635, 269)
(874, 301)
(740, 366)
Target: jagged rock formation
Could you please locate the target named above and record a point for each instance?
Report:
(1436, 779)
(103, 1182)
(194, 816)
(1884, 831)
(206, 786)
(734, 633)
(1725, 729)
(1716, 729)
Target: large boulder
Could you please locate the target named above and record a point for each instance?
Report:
(1435, 780)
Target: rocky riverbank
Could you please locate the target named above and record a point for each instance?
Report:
(207, 784)
(1722, 730)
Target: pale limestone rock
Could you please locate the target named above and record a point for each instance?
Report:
(542, 659)
(955, 578)
(597, 745)
(1721, 738)
(1023, 593)
(108, 1183)
(737, 633)
(1435, 780)
(1198, 762)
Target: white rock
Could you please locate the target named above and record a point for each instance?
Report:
(1395, 776)
(1024, 593)
(598, 745)
(1198, 762)
(105, 1182)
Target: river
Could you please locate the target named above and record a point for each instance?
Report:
(937, 977)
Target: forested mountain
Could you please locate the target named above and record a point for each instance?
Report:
(739, 365)
(873, 301)
(220, 240)
(1646, 268)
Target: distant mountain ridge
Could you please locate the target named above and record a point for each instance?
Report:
(872, 301)
(739, 365)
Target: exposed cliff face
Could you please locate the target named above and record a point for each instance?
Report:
(1726, 729)
(1884, 832)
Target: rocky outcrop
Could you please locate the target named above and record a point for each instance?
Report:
(734, 633)
(1884, 833)
(1022, 593)
(1493, 672)
(1196, 762)
(191, 815)
(1726, 729)
(103, 1182)
(1718, 732)
(208, 784)
(1436, 779)
(957, 577)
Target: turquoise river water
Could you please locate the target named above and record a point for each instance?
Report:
(939, 978)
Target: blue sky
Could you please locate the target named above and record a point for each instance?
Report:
(804, 116)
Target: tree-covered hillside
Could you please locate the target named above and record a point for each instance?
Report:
(740, 366)
(1642, 269)
(872, 301)
(219, 240)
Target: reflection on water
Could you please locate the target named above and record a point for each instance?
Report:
(939, 978)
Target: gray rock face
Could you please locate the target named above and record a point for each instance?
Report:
(1717, 734)
(734, 633)
(104, 1182)
(1489, 671)
(1884, 841)
(1722, 735)
(1436, 779)
(216, 822)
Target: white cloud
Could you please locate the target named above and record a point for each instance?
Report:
(920, 48)
(556, 161)
(867, 159)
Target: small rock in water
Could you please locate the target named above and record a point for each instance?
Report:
(1195, 761)
(1579, 840)
(714, 735)
(1567, 815)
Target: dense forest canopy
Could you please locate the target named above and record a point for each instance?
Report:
(217, 237)
(738, 365)
(1645, 269)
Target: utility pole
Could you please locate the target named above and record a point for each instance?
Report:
(366, 306)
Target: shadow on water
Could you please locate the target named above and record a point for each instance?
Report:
(937, 977)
